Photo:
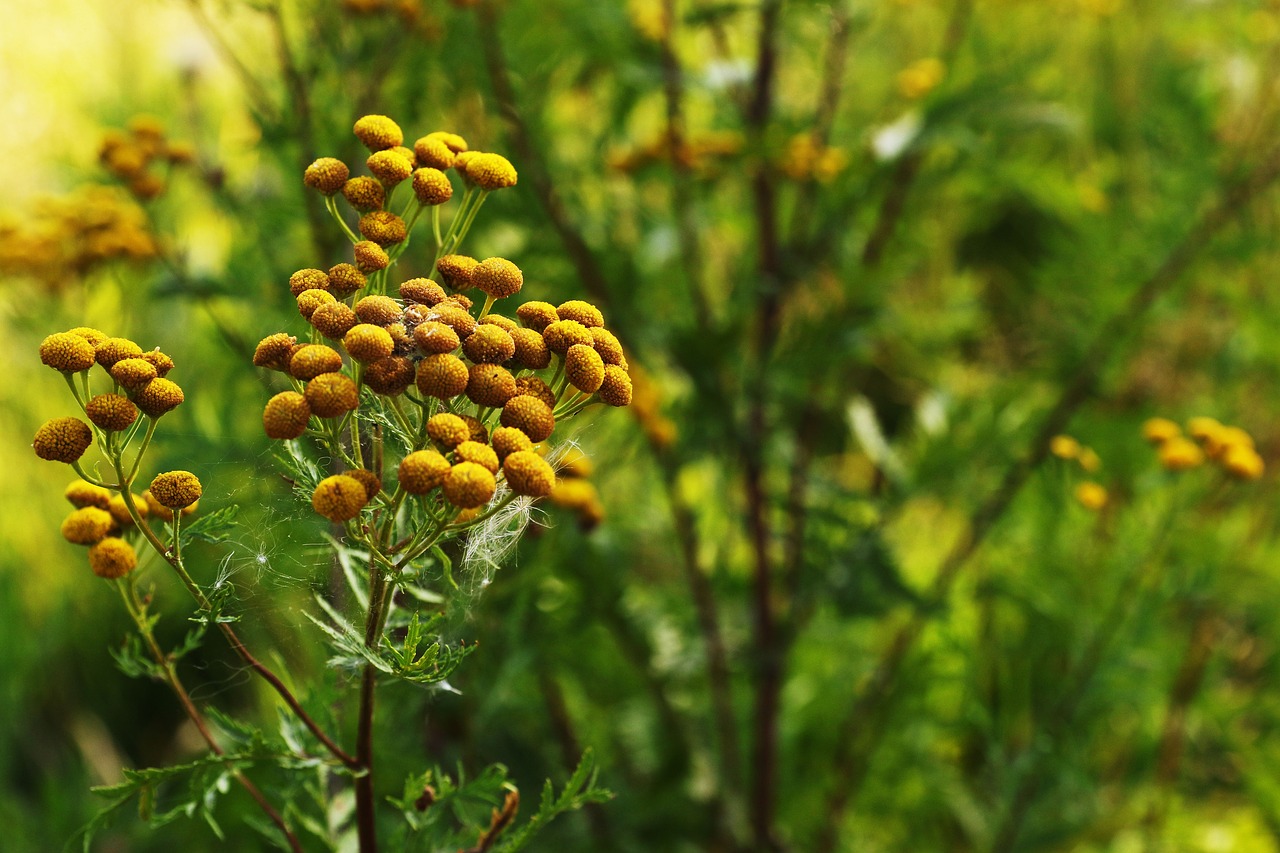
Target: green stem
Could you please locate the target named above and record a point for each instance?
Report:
(331, 203)
(146, 441)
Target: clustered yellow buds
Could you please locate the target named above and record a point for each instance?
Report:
(1231, 447)
(130, 155)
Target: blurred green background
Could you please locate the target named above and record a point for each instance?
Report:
(868, 258)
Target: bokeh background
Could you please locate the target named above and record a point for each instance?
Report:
(841, 589)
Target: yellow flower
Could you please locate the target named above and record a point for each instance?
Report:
(1160, 430)
(1180, 454)
(1091, 496)
(921, 77)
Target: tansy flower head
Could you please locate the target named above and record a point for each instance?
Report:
(133, 373)
(112, 558)
(331, 395)
(1089, 459)
(345, 279)
(533, 386)
(67, 352)
(448, 429)
(333, 319)
(82, 494)
(1202, 428)
(432, 152)
(529, 415)
(176, 489)
(529, 474)
(370, 257)
(111, 350)
(584, 312)
(328, 175)
(364, 194)
(477, 452)
(490, 385)
(407, 154)
(489, 345)
(421, 471)
(273, 352)
(433, 336)
(453, 141)
(367, 342)
(606, 343)
(1180, 454)
(478, 431)
(389, 376)
(389, 166)
(508, 440)
(1064, 447)
(456, 270)
(120, 512)
(442, 375)
(615, 389)
(468, 485)
(490, 171)
(377, 132)
(310, 300)
(383, 228)
(431, 186)
(91, 335)
(62, 439)
(506, 324)
(454, 317)
(584, 368)
(1243, 462)
(310, 360)
(162, 363)
(87, 525)
(497, 277)
(531, 349)
(537, 315)
(339, 498)
(1217, 444)
(368, 479)
(112, 412)
(286, 415)
(1091, 496)
(563, 334)
(575, 463)
(422, 291)
(379, 310)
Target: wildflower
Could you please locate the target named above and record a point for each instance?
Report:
(1160, 430)
(606, 343)
(453, 141)
(364, 194)
(133, 373)
(112, 558)
(530, 415)
(286, 415)
(310, 300)
(448, 429)
(431, 186)
(433, 336)
(345, 279)
(508, 440)
(62, 439)
(331, 395)
(120, 512)
(432, 152)
(273, 352)
(533, 386)
(328, 175)
(112, 412)
(442, 375)
(422, 291)
(82, 494)
(529, 474)
(506, 324)
(1064, 447)
(1217, 444)
(574, 463)
(389, 376)
(453, 316)
(339, 498)
(530, 349)
(111, 350)
(1091, 496)
(456, 270)
(1089, 459)
(421, 471)
(176, 489)
(477, 430)
(383, 228)
(389, 166)
(67, 352)
(1203, 428)
(584, 368)
(489, 345)
(1180, 454)
(497, 277)
(379, 310)
(377, 132)
(477, 452)
(921, 77)
(367, 342)
(162, 363)
(370, 257)
(490, 171)
(333, 319)
(537, 315)
(584, 312)
(368, 479)
(563, 334)
(1243, 462)
(468, 485)
(91, 335)
(615, 388)
(490, 385)
(310, 360)
(87, 525)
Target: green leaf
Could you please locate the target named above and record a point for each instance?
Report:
(212, 527)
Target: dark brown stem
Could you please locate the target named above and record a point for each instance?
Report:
(852, 755)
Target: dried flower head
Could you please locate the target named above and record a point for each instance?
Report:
(377, 132)
(112, 558)
(389, 376)
(490, 385)
(389, 166)
(529, 474)
(530, 415)
(112, 412)
(490, 171)
(87, 525)
(328, 175)
(67, 352)
(365, 194)
(367, 342)
(468, 485)
(333, 319)
(82, 494)
(422, 291)
(431, 186)
(448, 429)
(584, 368)
(310, 360)
(615, 389)
(383, 228)
(497, 277)
(488, 344)
(331, 395)
(456, 270)
(442, 375)
(345, 279)
(286, 415)
(370, 257)
(421, 471)
(339, 498)
(176, 489)
(477, 452)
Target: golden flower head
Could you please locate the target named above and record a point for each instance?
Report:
(477, 452)
(584, 368)
(273, 352)
(328, 175)
(378, 133)
(497, 277)
(1180, 454)
(422, 291)
(331, 395)
(529, 474)
(383, 228)
(432, 152)
(606, 343)
(442, 375)
(575, 463)
(389, 376)
(530, 415)
(120, 512)
(456, 270)
(310, 360)
(82, 494)
(91, 335)
(537, 315)
(176, 489)
(365, 194)
(490, 171)
(488, 344)
(345, 279)
(367, 342)
(407, 154)
(112, 412)
(1225, 438)
(533, 386)
(584, 312)
(389, 166)
(432, 336)
(574, 494)
(160, 511)
(490, 385)
(421, 471)
(112, 558)
(368, 479)
(1091, 496)
(1064, 447)
(563, 334)
(111, 350)
(87, 525)
(1202, 428)
(310, 300)
(339, 498)
(478, 431)
(454, 316)
(1160, 430)
(615, 389)
(468, 485)
(921, 77)
(333, 319)
(379, 310)
(448, 429)
(286, 415)
(370, 257)
(162, 363)
(508, 440)
(455, 143)
(67, 352)
(62, 439)
(530, 349)
(1243, 462)
(431, 186)
(1089, 459)
(506, 324)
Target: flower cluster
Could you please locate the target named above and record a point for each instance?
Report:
(806, 160)
(108, 517)
(141, 156)
(1231, 447)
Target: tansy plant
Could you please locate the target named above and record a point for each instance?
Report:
(414, 416)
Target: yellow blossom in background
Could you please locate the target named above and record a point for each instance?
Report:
(1243, 462)
(921, 77)
(648, 18)
(1064, 447)
(1091, 496)
(1089, 459)
(1160, 430)
(1180, 454)
(805, 159)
